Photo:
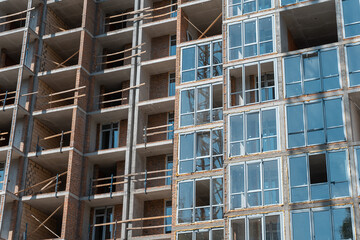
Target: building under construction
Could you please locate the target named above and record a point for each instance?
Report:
(180, 119)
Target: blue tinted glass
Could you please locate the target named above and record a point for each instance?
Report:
(250, 50)
(188, 76)
(264, 4)
(252, 121)
(265, 29)
(292, 69)
(338, 168)
(235, 35)
(354, 79)
(353, 53)
(322, 225)
(249, 7)
(186, 166)
(237, 178)
(188, 58)
(333, 83)
(313, 86)
(187, 146)
(342, 223)
(315, 118)
(311, 66)
(319, 191)
(236, 128)
(187, 101)
(333, 111)
(250, 32)
(352, 30)
(293, 90)
(329, 63)
(298, 171)
(266, 47)
(303, 232)
(268, 123)
(217, 196)
(351, 11)
(287, 2)
(295, 119)
(299, 194)
(202, 144)
(185, 195)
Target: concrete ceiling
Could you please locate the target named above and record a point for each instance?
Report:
(58, 119)
(13, 6)
(115, 6)
(70, 11)
(56, 162)
(60, 80)
(312, 25)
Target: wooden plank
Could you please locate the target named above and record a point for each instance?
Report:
(16, 20)
(157, 133)
(121, 90)
(113, 100)
(212, 24)
(193, 25)
(65, 99)
(159, 8)
(148, 227)
(56, 135)
(126, 50)
(37, 184)
(122, 59)
(45, 226)
(66, 60)
(47, 219)
(131, 220)
(18, 13)
(168, 125)
(65, 91)
(128, 13)
(4, 133)
(3, 94)
(161, 15)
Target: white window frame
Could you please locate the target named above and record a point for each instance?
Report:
(328, 174)
(343, 22)
(229, 5)
(196, 68)
(193, 233)
(311, 218)
(103, 215)
(259, 88)
(111, 135)
(169, 82)
(210, 109)
(170, 42)
(211, 156)
(168, 134)
(347, 63)
(357, 165)
(165, 219)
(302, 71)
(260, 131)
(257, 37)
(304, 114)
(261, 182)
(211, 206)
(263, 231)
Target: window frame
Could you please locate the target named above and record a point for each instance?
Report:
(357, 165)
(343, 22)
(261, 137)
(246, 182)
(170, 116)
(328, 174)
(211, 156)
(171, 41)
(302, 71)
(242, 32)
(194, 207)
(263, 230)
(259, 88)
(311, 211)
(104, 216)
(172, 79)
(193, 233)
(347, 64)
(165, 219)
(195, 112)
(229, 5)
(305, 123)
(196, 67)
(111, 135)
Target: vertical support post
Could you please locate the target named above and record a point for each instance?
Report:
(90, 189)
(4, 101)
(145, 136)
(173, 133)
(37, 146)
(145, 181)
(111, 186)
(25, 233)
(114, 232)
(61, 141)
(56, 185)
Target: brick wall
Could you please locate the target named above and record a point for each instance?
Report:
(49, 55)
(159, 85)
(123, 132)
(120, 170)
(35, 173)
(55, 24)
(42, 233)
(41, 130)
(154, 163)
(43, 102)
(162, 11)
(160, 47)
(154, 121)
(154, 208)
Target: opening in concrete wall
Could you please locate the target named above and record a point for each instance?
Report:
(63, 16)
(299, 31)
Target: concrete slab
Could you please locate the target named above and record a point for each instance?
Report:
(159, 105)
(105, 114)
(108, 76)
(58, 119)
(160, 65)
(118, 37)
(160, 28)
(104, 199)
(52, 159)
(107, 157)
